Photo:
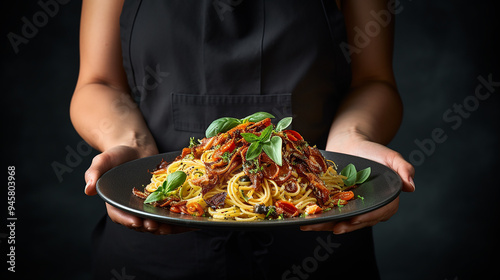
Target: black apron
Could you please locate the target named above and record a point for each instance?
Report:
(189, 63)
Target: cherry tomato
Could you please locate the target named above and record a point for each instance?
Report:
(287, 207)
(238, 127)
(293, 135)
(184, 209)
(313, 209)
(194, 208)
(185, 152)
(347, 195)
(227, 147)
(175, 209)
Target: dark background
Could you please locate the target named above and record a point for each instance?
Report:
(445, 230)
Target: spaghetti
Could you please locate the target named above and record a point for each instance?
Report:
(223, 183)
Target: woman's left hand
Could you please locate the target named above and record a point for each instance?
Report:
(388, 157)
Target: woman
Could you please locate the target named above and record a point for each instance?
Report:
(154, 73)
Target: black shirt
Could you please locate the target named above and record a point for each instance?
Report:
(189, 63)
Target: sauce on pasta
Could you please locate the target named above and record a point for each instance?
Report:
(223, 183)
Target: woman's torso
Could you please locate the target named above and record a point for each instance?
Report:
(188, 64)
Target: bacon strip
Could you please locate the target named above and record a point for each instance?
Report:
(140, 194)
(217, 201)
(319, 188)
(316, 162)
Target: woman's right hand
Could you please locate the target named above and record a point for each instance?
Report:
(114, 157)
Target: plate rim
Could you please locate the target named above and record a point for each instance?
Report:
(205, 222)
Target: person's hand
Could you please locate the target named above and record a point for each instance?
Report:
(386, 156)
(114, 157)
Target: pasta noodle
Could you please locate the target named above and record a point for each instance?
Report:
(223, 184)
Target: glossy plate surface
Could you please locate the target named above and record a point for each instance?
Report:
(115, 187)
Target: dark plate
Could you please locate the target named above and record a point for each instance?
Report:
(115, 187)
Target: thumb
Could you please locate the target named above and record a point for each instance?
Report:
(405, 170)
(393, 160)
(104, 162)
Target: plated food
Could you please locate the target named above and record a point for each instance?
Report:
(249, 169)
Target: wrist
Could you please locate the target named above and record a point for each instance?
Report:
(346, 141)
(142, 143)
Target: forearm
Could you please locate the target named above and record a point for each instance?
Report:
(371, 111)
(106, 117)
(102, 110)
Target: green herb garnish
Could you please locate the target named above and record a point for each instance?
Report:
(173, 181)
(246, 198)
(257, 117)
(226, 123)
(338, 203)
(193, 143)
(253, 163)
(226, 156)
(283, 124)
(271, 211)
(355, 177)
(270, 145)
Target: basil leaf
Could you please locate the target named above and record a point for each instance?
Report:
(230, 123)
(221, 125)
(273, 149)
(283, 124)
(266, 134)
(162, 187)
(350, 181)
(363, 175)
(250, 137)
(350, 172)
(257, 117)
(214, 127)
(174, 180)
(155, 196)
(253, 151)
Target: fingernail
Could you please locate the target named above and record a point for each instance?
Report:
(411, 182)
(152, 228)
(86, 186)
(355, 222)
(339, 231)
